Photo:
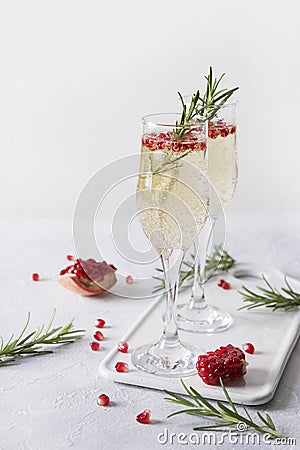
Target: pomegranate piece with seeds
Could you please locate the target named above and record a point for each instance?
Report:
(99, 323)
(88, 277)
(144, 417)
(103, 400)
(248, 348)
(35, 277)
(228, 363)
(121, 367)
(123, 347)
(94, 346)
(98, 336)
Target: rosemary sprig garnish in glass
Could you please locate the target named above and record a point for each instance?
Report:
(170, 162)
(286, 299)
(220, 261)
(33, 343)
(187, 115)
(214, 98)
(226, 416)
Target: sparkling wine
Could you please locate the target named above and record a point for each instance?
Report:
(222, 159)
(172, 195)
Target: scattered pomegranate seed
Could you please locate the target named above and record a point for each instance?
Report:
(122, 367)
(70, 258)
(227, 363)
(98, 336)
(248, 348)
(129, 279)
(103, 400)
(144, 417)
(94, 346)
(123, 347)
(224, 284)
(99, 323)
(35, 277)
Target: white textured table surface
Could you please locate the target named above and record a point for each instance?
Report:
(49, 402)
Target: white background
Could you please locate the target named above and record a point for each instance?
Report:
(77, 75)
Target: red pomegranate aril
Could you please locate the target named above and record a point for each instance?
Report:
(99, 323)
(144, 417)
(224, 284)
(123, 347)
(70, 258)
(248, 348)
(129, 279)
(98, 336)
(103, 400)
(121, 367)
(35, 277)
(94, 346)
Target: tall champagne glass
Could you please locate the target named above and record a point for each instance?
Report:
(172, 195)
(198, 316)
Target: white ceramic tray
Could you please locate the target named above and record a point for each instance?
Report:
(273, 334)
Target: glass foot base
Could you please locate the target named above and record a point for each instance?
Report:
(203, 320)
(174, 361)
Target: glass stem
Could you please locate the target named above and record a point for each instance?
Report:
(171, 262)
(201, 250)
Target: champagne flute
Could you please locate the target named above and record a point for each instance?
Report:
(172, 196)
(198, 316)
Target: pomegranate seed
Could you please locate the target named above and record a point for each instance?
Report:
(122, 367)
(224, 284)
(35, 277)
(144, 417)
(103, 400)
(129, 279)
(94, 346)
(70, 258)
(98, 336)
(99, 323)
(248, 348)
(123, 347)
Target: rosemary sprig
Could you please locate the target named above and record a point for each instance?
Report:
(183, 127)
(286, 299)
(170, 162)
(220, 261)
(32, 344)
(226, 416)
(214, 98)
